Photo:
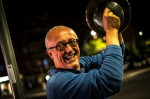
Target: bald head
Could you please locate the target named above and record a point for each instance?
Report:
(56, 32)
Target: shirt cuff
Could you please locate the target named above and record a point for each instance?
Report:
(113, 49)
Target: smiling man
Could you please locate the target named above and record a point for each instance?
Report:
(103, 72)
(65, 50)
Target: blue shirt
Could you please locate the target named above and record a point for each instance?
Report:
(102, 78)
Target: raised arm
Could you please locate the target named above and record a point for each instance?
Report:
(111, 25)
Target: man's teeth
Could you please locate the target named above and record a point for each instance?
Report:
(69, 57)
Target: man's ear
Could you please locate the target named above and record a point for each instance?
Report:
(49, 53)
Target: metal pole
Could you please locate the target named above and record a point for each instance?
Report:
(9, 56)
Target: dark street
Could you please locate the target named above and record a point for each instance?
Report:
(136, 85)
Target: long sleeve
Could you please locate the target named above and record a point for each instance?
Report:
(95, 84)
(95, 61)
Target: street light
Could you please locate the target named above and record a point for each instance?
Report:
(93, 33)
(140, 33)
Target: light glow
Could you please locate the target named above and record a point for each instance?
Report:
(3, 79)
(47, 77)
(140, 33)
(93, 33)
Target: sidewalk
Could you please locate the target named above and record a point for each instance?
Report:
(34, 93)
(41, 94)
(134, 72)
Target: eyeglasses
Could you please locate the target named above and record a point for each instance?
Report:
(60, 46)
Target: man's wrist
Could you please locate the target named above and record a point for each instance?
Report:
(112, 37)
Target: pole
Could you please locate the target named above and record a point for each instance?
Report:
(9, 56)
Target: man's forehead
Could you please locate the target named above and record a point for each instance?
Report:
(64, 30)
(65, 36)
(63, 33)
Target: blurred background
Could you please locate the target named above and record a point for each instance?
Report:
(29, 21)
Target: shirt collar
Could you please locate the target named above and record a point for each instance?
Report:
(56, 70)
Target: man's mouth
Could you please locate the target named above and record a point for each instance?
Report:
(69, 57)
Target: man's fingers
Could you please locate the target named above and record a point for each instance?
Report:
(106, 11)
(110, 13)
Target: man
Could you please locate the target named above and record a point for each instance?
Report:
(103, 72)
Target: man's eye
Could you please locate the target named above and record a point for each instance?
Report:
(72, 42)
(60, 44)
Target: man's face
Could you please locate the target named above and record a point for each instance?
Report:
(68, 58)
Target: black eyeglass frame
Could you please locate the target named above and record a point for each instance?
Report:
(65, 44)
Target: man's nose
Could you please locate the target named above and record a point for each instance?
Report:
(68, 48)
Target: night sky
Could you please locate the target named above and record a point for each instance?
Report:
(25, 15)
(29, 20)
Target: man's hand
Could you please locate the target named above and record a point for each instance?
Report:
(110, 21)
(111, 25)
